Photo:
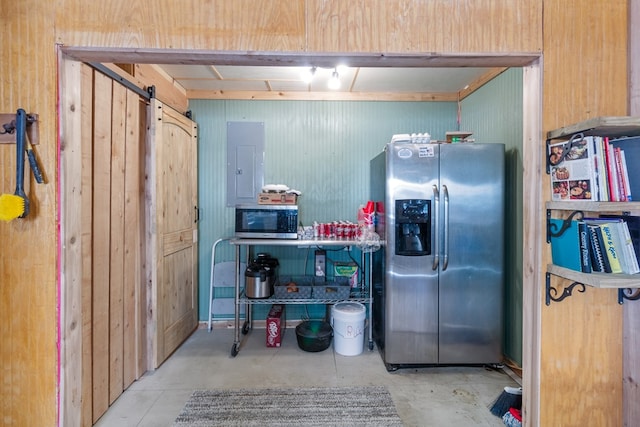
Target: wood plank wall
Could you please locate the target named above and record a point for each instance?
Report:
(28, 248)
(29, 355)
(392, 26)
(581, 337)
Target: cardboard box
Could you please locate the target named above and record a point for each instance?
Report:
(348, 270)
(277, 199)
(275, 325)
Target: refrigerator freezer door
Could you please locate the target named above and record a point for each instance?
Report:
(411, 284)
(471, 286)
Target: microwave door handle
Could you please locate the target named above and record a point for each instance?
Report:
(445, 244)
(436, 199)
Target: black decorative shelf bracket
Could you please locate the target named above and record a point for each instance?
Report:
(551, 228)
(548, 163)
(567, 291)
(628, 294)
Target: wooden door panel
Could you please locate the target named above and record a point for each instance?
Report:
(172, 160)
(177, 241)
(178, 306)
(176, 182)
(107, 213)
(101, 210)
(134, 331)
(86, 227)
(117, 235)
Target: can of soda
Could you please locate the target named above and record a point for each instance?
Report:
(326, 230)
(352, 231)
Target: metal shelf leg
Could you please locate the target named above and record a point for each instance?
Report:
(370, 283)
(236, 342)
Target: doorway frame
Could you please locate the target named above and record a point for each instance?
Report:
(70, 340)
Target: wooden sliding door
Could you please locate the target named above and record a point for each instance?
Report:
(104, 337)
(129, 238)
(172, 198)
(115, 170)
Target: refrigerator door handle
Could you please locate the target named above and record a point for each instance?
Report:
(445, 244)
(436, 252)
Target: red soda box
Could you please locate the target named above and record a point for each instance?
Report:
(275, 325)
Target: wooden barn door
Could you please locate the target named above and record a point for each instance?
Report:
(173, 230)
(118, 335)
(104, 336)
(128, 178)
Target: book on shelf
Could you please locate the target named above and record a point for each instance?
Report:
(633, 225)
(595, 168)
(601, 169)
(599, 259)
(574, 176)
(585, 249)
(565, 248)
(617, 243)
(612, 245)
(620, 175)
(612, 175)
(629, 253)
(630, 148)
(625, 175)
(629, 230)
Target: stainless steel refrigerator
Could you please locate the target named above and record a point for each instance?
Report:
(438, 282)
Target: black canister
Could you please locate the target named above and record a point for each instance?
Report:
(267, 260)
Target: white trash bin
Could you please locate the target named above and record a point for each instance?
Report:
(347, 320)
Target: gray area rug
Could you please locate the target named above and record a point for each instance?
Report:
(345, 406)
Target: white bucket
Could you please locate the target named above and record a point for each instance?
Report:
(347, 320)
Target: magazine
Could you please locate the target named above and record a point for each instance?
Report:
(573, 169)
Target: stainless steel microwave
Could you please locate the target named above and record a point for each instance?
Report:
(267, 221)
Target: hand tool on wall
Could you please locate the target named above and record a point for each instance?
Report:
(10, 128)
(33, 162)
(17, 205)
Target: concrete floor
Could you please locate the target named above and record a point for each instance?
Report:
(436, 396)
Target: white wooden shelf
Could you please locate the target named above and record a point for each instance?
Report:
(612, 126)
(588, 206)
(597, 280)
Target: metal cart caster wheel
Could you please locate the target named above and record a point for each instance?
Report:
(391, 368)
(234, 350)
(370, 345)
(245, 328)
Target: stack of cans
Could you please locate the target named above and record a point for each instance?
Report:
(336, 230)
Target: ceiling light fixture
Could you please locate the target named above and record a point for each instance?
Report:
(308, 74)
(334, 81)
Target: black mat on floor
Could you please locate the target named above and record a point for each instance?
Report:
(343, 406)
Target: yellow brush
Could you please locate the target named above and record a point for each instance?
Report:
(11, 207)
(16, 205)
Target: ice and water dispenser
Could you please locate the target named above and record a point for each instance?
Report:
(413, 227)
